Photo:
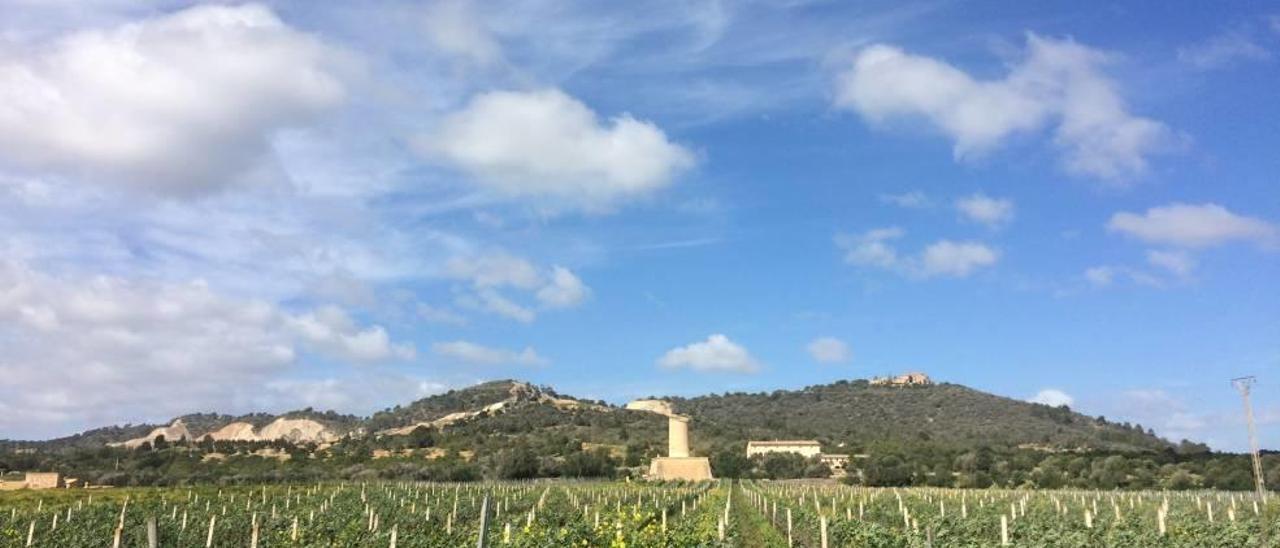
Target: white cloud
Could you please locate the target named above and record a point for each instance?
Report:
(491, 301)
(956, 259)
(716, 354)
(547, 145)
(1169, 415)
(941, 258)
(1178, 263)
(1100, 276)
(1223, 50)
(564, 290)
(176, 104)
(1105, 276)
(979, 208)
(86, 351)
(829, 350)
(452, 27)
(472, 353)
(872, 248)
(914, 199)
(330, 328)
(363, 394)
(1057, 81)
(1194, 226)
(494, 270)
(556, 288)
(1052, 397)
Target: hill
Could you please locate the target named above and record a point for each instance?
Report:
(842, 414)
(856, 413)
(942, 435)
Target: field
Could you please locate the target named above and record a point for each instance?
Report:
(749, 514)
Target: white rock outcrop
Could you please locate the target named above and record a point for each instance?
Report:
(174, 432)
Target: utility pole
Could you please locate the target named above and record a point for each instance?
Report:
(1243, 385)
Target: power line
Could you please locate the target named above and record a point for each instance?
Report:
(1244, 385)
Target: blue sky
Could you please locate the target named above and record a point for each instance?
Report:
(237, 207)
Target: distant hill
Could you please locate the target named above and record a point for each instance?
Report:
(857, 413)
(842, 414)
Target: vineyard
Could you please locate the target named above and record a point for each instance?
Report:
(542, 514)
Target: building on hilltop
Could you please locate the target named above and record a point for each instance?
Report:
(906, 379)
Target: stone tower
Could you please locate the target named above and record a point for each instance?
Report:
(677, 465)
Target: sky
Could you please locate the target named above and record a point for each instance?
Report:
(268, 206)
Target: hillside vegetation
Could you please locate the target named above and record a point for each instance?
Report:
(942, 435)
(857, 413)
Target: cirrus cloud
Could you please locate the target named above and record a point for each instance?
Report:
(472, 353)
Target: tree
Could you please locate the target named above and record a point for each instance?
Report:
(517, 463)
(783, 465)
(730, 463)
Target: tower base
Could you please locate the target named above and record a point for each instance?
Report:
(680, 468)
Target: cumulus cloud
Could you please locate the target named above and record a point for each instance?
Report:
(564, 289)
(96, 350)
(554, 288)
(872, 248)
(545, 144)
(716, 354)
(1057, 82)
(946, 258)
(956, 259)
(983, 209)
(1193, 226)
(177, 104)
(1052, 397)
(1223, 50)
(829, 350)
(472, 353)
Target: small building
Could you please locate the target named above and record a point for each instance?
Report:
(35, 480)
(43, 480)
(804, 448)
(835, 461)
(913, 378)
